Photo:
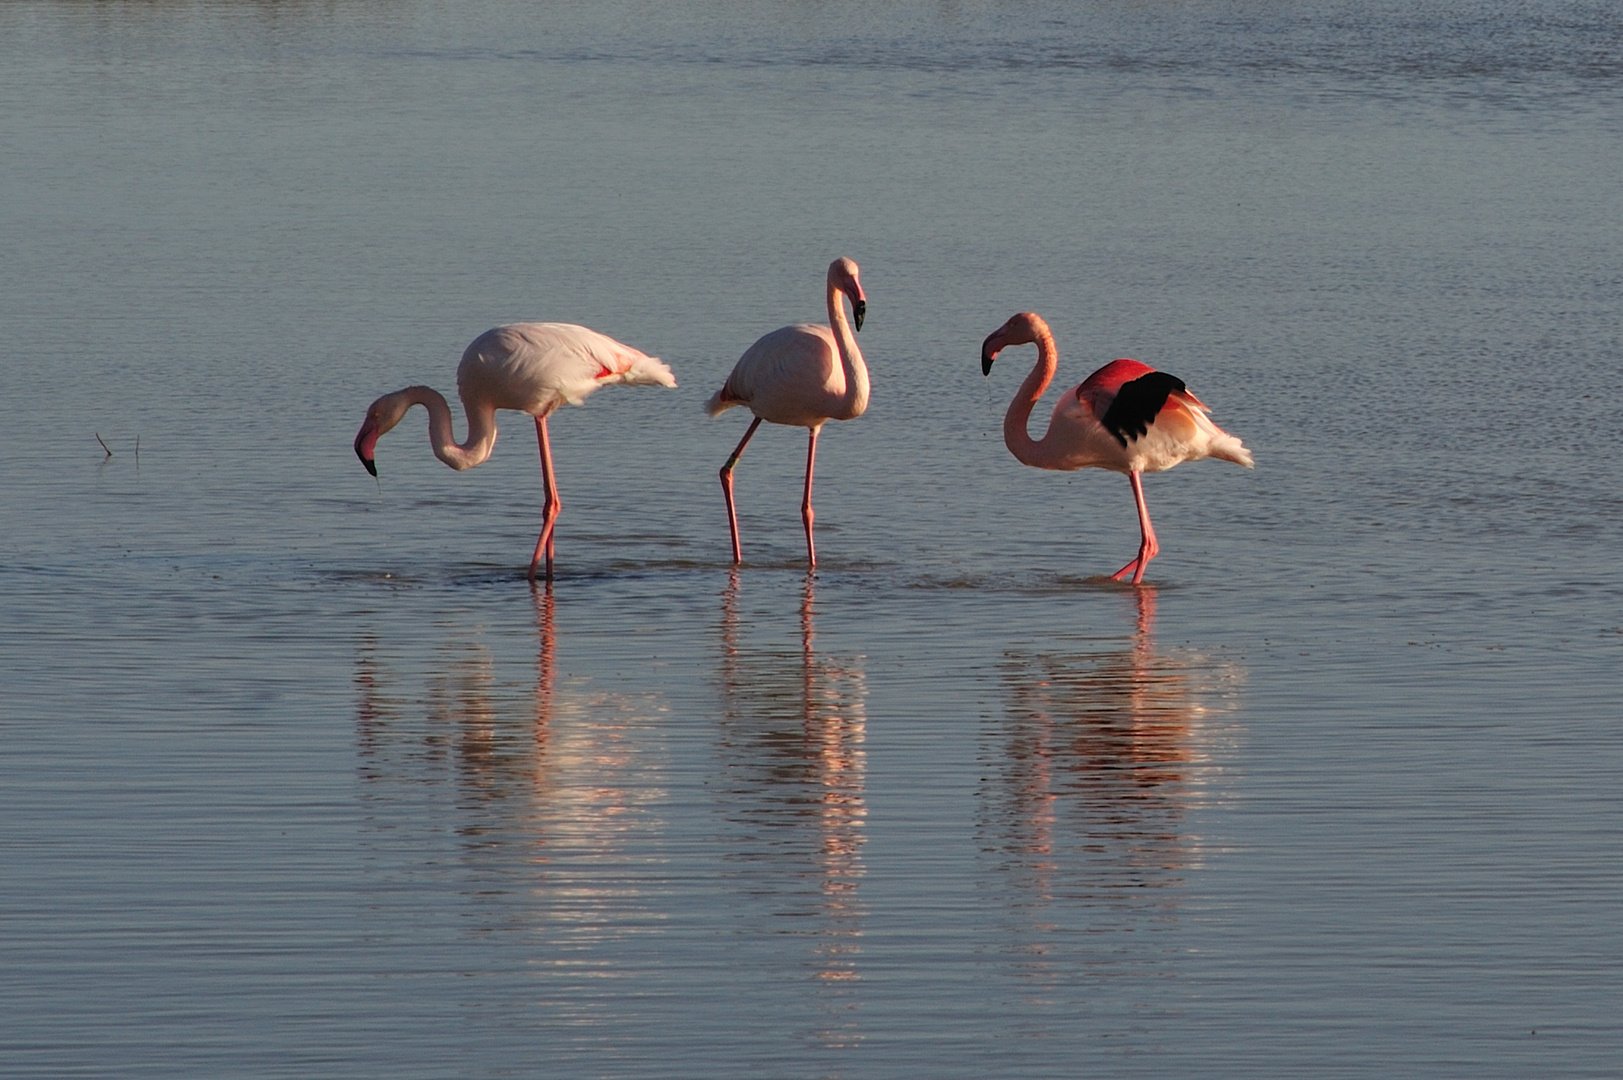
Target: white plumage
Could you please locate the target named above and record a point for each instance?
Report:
(802, 375)
(528, 367)
(536, 367)
(792, 376)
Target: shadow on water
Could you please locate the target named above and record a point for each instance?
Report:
(793, 725)
(1091, 777)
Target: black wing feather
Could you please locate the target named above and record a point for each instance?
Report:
(1137, 404)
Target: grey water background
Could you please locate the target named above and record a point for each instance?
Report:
(298, 777)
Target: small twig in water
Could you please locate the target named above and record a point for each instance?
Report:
(103, 445)
(138, 452)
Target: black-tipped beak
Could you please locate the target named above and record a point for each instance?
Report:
(859, 310)
(994, 343)
(364, 441)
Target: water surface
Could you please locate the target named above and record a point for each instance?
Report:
(300, 777)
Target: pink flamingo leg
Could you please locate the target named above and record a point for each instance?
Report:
(806, 514)
(549, 508)
(727, 489)
(1148, 547)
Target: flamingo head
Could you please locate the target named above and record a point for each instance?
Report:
(1021, 329)
(842, 274)
(381, 417)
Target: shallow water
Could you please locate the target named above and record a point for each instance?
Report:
(299, 777)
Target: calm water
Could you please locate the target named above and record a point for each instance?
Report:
(299, 777)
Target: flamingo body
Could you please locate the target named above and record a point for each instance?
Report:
(791, 376)
(802, 376)
(537, 367)
(527, 367)
(1126, 417)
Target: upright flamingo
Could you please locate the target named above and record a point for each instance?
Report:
(1126, 417)
(803, 376)
(528, 367)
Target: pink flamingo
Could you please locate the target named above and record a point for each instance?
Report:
(803, 376)
(528, 367)
(1126, 417)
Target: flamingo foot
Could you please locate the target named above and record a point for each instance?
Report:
(543, 550)
(544, 545)
(1138, 565)
(811, 546)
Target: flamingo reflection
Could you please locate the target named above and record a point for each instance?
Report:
(549, 785)
(1102, 754)
(793, 726)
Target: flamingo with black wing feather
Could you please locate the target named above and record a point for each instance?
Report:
(1126, 417)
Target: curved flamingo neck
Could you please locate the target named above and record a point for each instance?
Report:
(1026, 449)
(442, 435)
(856, 372)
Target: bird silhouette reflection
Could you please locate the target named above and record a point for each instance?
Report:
(1092, 775)
(540, 784)
(792, 730)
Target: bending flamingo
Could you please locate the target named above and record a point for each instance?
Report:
(528, 367)
(803, 376)
(1126, 417)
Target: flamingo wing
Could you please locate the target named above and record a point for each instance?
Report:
(534, 367)
(579, 353)
(789, 376)
(1137, 403)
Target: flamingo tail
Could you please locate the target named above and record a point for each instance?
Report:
(1229, 448)
(648, 371)
(1219, 443)
(720, 402)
